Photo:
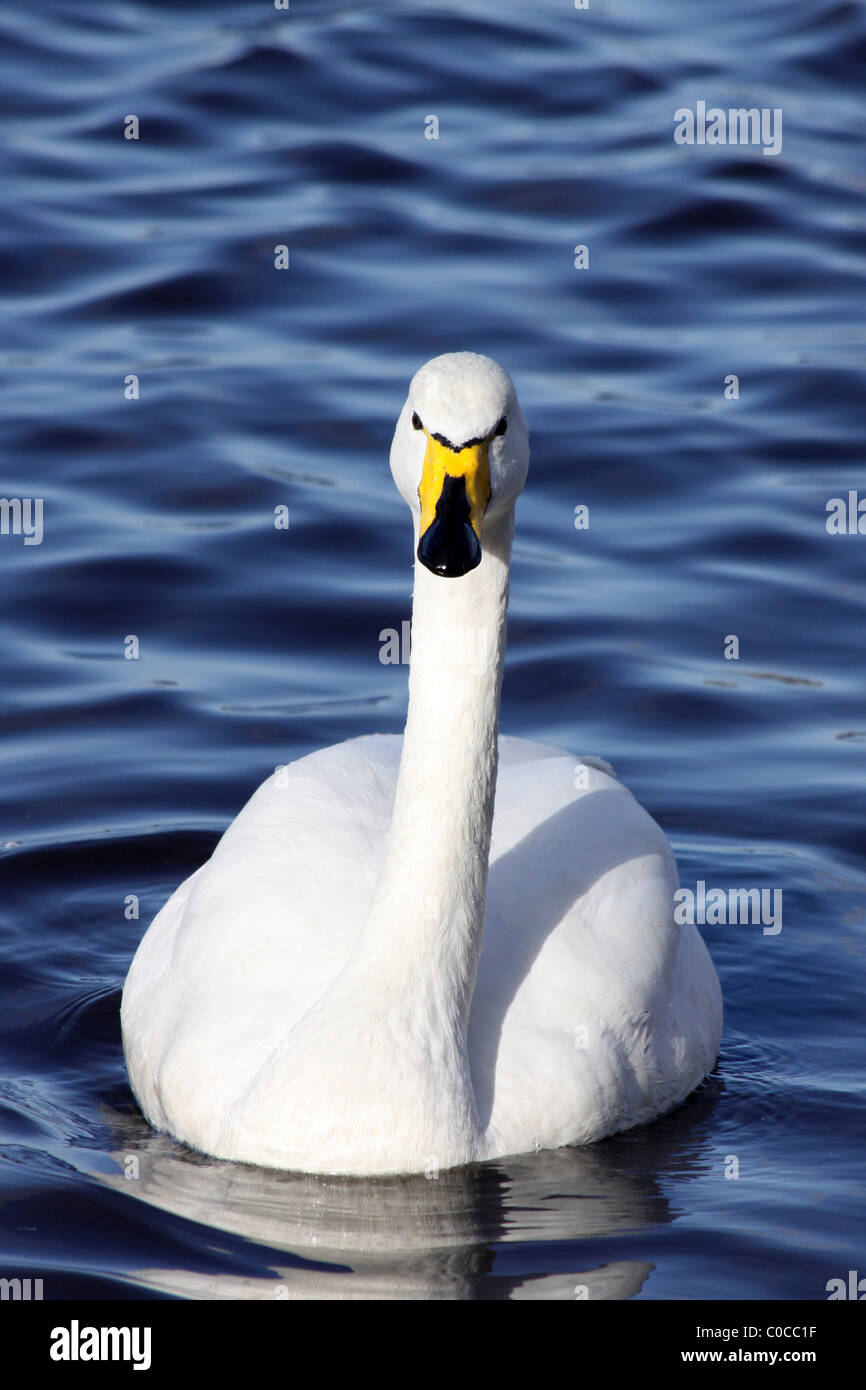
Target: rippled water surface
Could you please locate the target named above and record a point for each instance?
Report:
(262, 388)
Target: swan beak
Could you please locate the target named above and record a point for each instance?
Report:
(454, 492)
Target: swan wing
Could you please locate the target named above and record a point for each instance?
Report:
(249, 942)
(594, 1010)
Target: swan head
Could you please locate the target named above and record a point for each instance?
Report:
(459, 457)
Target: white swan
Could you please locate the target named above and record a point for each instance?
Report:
(328, 994)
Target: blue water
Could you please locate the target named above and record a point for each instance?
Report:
(262, 388)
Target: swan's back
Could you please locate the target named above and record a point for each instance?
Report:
(592, 1011)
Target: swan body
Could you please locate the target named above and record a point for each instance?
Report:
(407, 954)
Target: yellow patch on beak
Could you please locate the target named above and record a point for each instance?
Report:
(470, 464)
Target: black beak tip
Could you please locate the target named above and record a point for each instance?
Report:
(449, 551)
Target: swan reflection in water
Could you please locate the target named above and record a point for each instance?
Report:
(442, 1236)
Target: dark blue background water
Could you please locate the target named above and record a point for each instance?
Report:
(261, 388)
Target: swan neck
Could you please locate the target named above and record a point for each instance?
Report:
(428, 907)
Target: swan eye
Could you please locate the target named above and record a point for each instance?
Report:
(500, 428)
(416, 421)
